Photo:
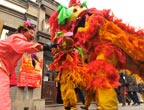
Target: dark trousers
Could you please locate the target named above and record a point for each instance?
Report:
(124, 96)
(59, 98)
(133, 96)
(80, 94)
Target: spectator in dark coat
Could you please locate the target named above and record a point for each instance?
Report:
(132, 89)
(122, 95)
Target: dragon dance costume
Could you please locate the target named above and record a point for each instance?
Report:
(91, 56)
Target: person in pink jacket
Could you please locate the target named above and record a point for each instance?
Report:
(11, 50)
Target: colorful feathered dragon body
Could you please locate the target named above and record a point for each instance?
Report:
(93, 46)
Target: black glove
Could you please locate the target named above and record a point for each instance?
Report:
(49, 46)
(53, 45)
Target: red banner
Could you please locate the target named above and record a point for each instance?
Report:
(30, 76)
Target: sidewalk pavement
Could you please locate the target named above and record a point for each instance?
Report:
(93, 107)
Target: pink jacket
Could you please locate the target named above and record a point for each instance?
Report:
(12, 49)
(13, 79)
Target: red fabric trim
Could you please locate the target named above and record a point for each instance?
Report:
(13, 79)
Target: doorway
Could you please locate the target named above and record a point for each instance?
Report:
(49, 90)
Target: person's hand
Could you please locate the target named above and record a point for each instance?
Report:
(34, 59)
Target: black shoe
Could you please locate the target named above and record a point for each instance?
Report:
(129, 103)
(138, 103)
(67, 108)
(134, 103)
(123, 104)
(84, 107)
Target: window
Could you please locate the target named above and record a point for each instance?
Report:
(6, 31)
(45, 24)
(4, 34)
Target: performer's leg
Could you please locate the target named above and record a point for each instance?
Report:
(123, 96)
(80, 94)
(88, 98)
(106, 99)
(74, 108)
(5, 101)
(68, 95)
(63, 95)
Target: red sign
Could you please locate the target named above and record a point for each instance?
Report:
(30, 76)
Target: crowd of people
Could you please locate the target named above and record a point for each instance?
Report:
(131, 89)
